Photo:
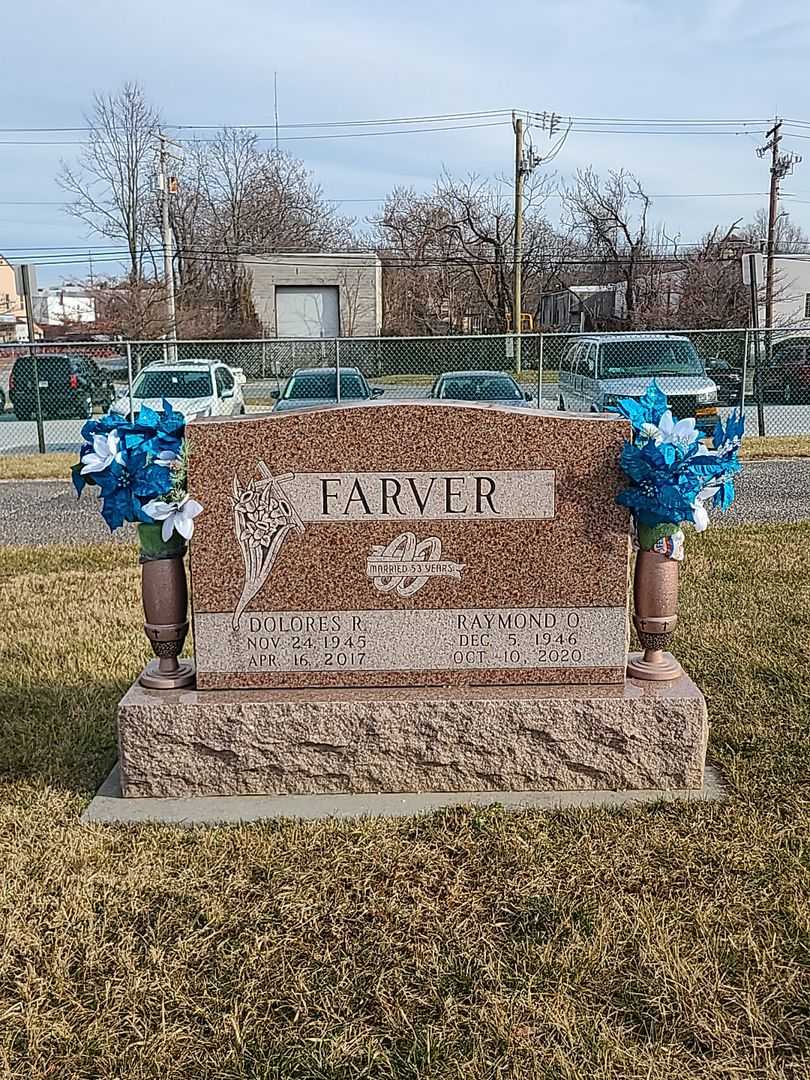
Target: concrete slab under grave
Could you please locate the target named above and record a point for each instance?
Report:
(109, 807)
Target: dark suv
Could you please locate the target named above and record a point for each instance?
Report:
(787, 377)
(70, 385)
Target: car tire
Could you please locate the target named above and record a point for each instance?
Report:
(21, 414)
(85, 409)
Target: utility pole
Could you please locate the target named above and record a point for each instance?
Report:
(781, 166)
(525, 164)
(164, 183)
(517, 303)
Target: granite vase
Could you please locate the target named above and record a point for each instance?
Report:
(164, 591)
(655, 603)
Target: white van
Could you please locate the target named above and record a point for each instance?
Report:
(599, 369)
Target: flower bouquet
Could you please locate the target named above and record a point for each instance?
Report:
(140, 470)
(672, 476)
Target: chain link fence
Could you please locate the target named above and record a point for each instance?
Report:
(47, 392)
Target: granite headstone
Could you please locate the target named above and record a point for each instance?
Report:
(408, 545)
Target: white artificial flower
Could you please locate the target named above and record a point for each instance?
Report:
(700, 516)
(167, 459)
(650, 431)
(106, 450)
(681, 433)
(175, 516)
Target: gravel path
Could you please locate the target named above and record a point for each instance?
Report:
(47, 512)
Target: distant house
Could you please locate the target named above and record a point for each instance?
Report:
(322, 295)
(791, 305)
(584, 307)
(64, 304)
(14, 328)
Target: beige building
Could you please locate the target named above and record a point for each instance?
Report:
(11, 303)
(322, 295)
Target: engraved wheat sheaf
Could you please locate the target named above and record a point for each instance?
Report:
(263, 516)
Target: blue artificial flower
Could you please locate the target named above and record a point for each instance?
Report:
(104, 425)
(648, 409)
(154, 432)
(671, 473)
(137, 473)
(151, 482)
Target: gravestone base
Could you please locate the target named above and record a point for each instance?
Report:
(636, 736)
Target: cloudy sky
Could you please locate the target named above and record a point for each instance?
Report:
(209, 62)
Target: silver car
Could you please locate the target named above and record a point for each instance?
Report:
(599, 369)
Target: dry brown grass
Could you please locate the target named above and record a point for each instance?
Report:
(36, 466)
(664, 943)
(774, 446)
(57, 466)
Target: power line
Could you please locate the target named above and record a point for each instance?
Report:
(285, 138)
(436, 117)
(601, 122)
(56, 258)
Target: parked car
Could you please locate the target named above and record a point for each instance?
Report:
(726, 378)
(70, 385)
(309, 387)
(192, 387)
(494, 386)
(599, 369)
(786, 374)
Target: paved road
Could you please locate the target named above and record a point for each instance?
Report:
(47, 512)
(17, 437)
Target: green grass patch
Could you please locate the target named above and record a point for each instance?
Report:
(665, 942)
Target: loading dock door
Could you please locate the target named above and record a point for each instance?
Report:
(307, 311)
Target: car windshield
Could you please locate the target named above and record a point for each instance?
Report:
(322, 385)
(479, 388)
(626, 359)
(173, 384)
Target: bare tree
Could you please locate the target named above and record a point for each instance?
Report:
(610, 217)
(350, 287)
(112, 183)
(135, 309)
(701, 288)
(789, 238)
(451, 252)
(236, 199)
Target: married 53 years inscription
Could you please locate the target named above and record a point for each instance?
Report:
(416, 544)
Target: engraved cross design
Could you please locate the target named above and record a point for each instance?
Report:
(262, 516)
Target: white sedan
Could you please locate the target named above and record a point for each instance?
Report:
(192, 387)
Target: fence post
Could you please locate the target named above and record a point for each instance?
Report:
(32, 352)
(337, 370)
(540, 371)
(129, 381)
